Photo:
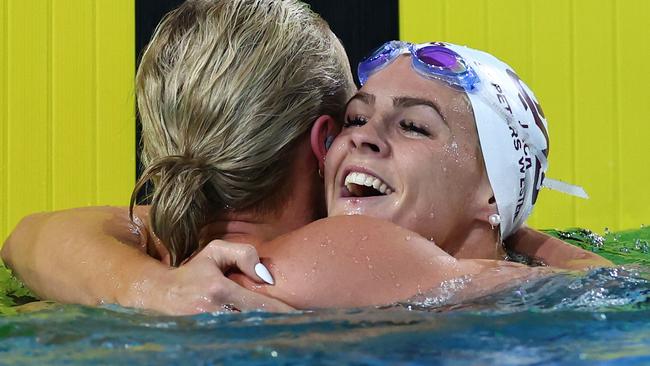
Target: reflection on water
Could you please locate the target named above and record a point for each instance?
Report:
(598, 317)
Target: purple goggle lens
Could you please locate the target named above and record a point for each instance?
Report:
(431, 59)
(440, 57)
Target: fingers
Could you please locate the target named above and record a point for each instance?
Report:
(242, 256)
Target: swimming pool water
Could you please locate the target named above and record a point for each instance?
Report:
(601, 317)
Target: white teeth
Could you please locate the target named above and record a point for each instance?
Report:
(360, 179)
(367, 180)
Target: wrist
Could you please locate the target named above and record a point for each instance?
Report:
(143, 286)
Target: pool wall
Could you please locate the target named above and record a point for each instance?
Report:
(66, 105)
(586, 60)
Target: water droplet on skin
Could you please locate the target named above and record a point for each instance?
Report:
(432, 215)
(365, 237)
(135, 229)
(408, 238)
(397, 285)
(283, 276)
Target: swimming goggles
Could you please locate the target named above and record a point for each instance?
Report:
(433, 60)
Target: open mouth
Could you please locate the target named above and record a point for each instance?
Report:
(364, 185)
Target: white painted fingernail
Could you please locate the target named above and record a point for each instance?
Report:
(264, 273)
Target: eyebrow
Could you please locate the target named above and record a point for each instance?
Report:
(405, 102)
(399, 102)
(362, 96)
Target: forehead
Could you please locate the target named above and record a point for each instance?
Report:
(400, 79)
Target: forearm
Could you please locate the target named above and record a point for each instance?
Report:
(552, 251)
(87, 256)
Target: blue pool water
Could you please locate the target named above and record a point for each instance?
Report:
(601, 317)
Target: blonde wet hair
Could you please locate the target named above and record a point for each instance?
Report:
(224, 90)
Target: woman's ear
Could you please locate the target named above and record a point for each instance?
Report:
(322, 134)
(487, 203)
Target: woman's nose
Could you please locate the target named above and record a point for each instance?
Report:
(368, 139)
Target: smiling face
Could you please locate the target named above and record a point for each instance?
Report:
(408, 153)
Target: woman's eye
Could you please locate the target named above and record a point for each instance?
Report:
(356, 121)
(411, 127)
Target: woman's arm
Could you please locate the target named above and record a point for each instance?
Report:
(554, 252)
(97, 255)
(350, 261)
(82, 255)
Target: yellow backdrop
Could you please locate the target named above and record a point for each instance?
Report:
(66, 105)
(587, 62)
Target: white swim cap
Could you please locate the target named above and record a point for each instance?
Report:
(512, 129)
(513, 135)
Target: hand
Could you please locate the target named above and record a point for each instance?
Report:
(200, 285)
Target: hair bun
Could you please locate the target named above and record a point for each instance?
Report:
(182, 162)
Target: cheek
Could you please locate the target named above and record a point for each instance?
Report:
(457, 153)
(428, 181)
(337, 151)
(333, 160)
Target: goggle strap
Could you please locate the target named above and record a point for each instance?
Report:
(565, 188)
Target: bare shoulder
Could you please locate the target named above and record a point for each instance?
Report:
(352, 261)
(356, 261)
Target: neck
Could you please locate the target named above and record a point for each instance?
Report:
(303, 204)
(478, 242)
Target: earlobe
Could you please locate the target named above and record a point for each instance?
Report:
(494, 220)
(323, 133)
(488, 212)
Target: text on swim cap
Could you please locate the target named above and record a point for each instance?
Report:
(536, 110)
(520, 146)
